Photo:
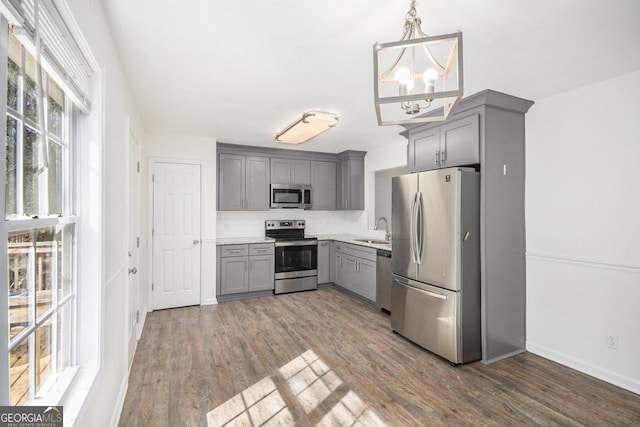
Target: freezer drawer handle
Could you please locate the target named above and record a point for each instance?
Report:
(422, 291)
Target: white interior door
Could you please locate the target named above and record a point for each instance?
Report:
(134, 245)
(176, 235)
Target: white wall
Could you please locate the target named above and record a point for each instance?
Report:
(583, 229)
(98, 401)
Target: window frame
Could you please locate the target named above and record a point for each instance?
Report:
(68, 193)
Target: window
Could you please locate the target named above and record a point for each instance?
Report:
(40, 227)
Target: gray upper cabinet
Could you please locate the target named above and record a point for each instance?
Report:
(231, 182)
(290, 171)
(257, 184)
(487, 130)
(301, 172)
(245, 174)
(455, 143)
(351, 180)
(423, 150)
(460, 142)
(243, 182)
(323, 185)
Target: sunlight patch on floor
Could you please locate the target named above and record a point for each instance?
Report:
(252, 407)
(311, 381)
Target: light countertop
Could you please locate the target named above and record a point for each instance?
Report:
(244, 240)
(353, 239)
(346, 238)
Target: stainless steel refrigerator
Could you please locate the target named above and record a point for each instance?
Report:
(435, 295)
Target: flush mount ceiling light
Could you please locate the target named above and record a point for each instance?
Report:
(417, 74)
(309, 125)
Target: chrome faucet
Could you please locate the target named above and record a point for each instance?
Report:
(387, 234)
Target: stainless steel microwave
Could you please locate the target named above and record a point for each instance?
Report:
(290, 196)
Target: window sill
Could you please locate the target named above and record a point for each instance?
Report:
(54, 393)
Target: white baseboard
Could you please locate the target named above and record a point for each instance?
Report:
(117, 410)
(209, 301)
(585, 367)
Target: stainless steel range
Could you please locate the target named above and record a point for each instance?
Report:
(296, 256)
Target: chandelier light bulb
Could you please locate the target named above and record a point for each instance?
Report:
(402, 75)
(405, 82)
(430, 76)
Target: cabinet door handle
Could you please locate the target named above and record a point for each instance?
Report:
(443, 155)
(436, 157)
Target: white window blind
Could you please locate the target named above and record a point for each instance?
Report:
(61, 54)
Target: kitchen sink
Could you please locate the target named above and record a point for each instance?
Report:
(373, 241)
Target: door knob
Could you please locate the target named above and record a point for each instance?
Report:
(133, 270)
(195, 242)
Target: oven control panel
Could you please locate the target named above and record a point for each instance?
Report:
(296, 224)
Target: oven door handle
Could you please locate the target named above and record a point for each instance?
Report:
(297, 243)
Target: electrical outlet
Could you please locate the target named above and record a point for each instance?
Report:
(612, 342)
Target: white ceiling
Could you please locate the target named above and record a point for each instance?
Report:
(241, 70)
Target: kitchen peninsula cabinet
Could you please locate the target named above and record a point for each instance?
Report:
(355, 269)
(487, 131)
(245, 268)
(243, 183)
(286, 171)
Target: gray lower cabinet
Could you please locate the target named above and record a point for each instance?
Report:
(234, 275)
(290, 171)
(355, 269)
(243, 183)
(455, 143)
(323, 185)
(261, 272)
(245, 268)
(351, 181)
(324, 261)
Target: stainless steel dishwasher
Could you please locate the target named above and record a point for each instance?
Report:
(383, 279)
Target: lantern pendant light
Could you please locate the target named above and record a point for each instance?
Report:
(417, 79)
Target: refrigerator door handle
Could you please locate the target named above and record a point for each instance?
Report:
(412, 231)
(419, 229)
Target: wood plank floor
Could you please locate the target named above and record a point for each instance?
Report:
(323, 358)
